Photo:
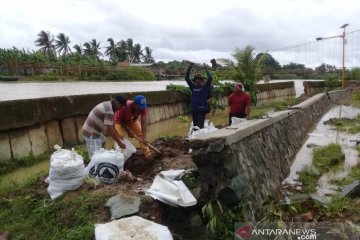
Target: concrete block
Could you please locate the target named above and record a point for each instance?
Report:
(151, 115)
(20, 143)
(181, 110)
(175, 108)
(53, 133)
(69, 130)
(157, 113)
(5, 149)
(80, 120)
(38, 139)
(171, 110)
(166, 111)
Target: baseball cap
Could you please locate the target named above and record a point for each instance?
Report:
(239, 86)
(140, 100)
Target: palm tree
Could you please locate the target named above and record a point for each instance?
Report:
(137, 53)
(46, 42)
(122, 53)
(129, 49)
(247, 68)
(95, 48)
(62, 44)
(78, 48)
(148, 58)
(111, 50)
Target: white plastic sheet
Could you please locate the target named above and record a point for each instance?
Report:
(131, 228)
(106, 165)
(167, 189)
(66, 172)
(196, 132)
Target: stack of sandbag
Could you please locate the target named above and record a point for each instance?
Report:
(106, 165)
(196, 131)
(66, 172)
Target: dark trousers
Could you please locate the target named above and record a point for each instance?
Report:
(241, 115)
(198, 118)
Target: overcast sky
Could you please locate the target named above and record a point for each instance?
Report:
(196, 30)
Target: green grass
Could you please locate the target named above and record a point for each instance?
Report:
(325, 159)
(350, 125)
(355, 98)
(11, 164)
(29, 213)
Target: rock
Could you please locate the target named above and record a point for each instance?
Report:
(312, 145)
(307, 217)
(352, 190)
(322, 200)
(5, 235)
(123, 205)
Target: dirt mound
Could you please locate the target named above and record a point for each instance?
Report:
(174, 155)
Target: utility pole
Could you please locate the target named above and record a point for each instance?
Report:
(343, 51)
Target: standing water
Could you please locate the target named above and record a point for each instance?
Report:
(324, 135)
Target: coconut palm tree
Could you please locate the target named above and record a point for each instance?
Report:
(137, 53)
(247, 68)
(111, 50)
(46, 42)
(95, 48)
(122, 53)
(78, 49)
(129, 49)
(62, 43)
(148, 58)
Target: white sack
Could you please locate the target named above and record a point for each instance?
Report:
(235, 120)
(129, 151)
(66, 172)
(196, 132)
(131, 228)
(106, 165)
(170, 191)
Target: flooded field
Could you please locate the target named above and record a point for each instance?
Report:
(323, 135)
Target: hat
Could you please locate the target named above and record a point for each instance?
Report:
(239, 86)
(140, 100)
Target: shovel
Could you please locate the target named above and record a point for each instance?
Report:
(146, 143)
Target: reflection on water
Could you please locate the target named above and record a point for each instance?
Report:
(324, 135)
(166, 128)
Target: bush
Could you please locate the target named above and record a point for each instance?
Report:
(131, 73)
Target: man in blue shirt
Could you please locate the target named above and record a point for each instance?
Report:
(199, 95)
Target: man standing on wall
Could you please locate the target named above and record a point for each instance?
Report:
(100, 120)
(127, 120)
(239, 102)
(200, 88)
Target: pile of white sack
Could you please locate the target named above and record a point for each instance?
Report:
(196, 131)
(66, 172)
(106, 165)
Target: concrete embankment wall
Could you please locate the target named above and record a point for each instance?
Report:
(247, 162)
(33, 126)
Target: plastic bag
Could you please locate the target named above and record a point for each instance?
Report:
(196, 131)
(106, 165)
(129, 151)
(235, 120)
(66, 172)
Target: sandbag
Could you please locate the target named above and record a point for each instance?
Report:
(106, 165)
(235, 120)
(67, 172)
(196, 131)
(131, 228)
(129, 151)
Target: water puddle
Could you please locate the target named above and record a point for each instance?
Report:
(321, 136)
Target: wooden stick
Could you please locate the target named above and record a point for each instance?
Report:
(146, 143)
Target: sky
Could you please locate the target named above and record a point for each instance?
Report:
(196, 30)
